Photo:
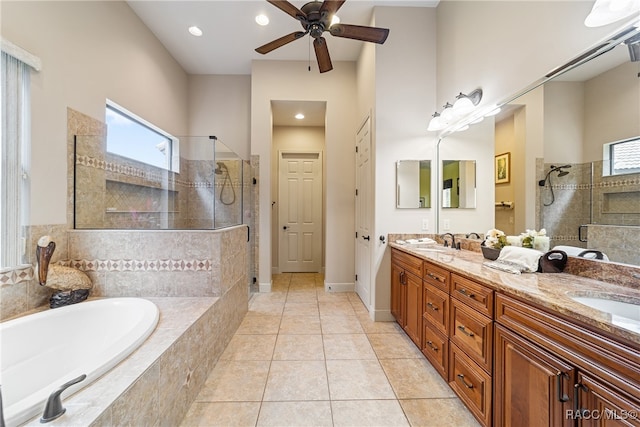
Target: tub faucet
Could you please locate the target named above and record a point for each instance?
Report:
(53, 409)
(453, 241)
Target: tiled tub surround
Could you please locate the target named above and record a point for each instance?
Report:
(159, 381)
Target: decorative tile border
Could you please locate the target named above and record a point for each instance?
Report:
(139, 265)
(15, 276)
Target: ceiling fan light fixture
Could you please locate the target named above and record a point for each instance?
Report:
(262, 20)
(334, 20)
(195, 31)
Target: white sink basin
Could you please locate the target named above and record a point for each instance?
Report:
(617, 308)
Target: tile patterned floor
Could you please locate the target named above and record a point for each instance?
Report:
(304, 357)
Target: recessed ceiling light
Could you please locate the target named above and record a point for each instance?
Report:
(299, 116)
(262, 20)
(195, 31)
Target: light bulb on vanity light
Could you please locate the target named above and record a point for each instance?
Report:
(447, 115)
(436, 123)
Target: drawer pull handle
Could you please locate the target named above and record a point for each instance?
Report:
(464, 331)
(464, 292)
(434, 277)
(432, 307)
(461, 378)
(433, 347)
(562, 396)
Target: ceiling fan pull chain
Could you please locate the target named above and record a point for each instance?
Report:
(309, 60)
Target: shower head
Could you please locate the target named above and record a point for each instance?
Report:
(220, 167)
(558, 169)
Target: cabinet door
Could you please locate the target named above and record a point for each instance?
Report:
(398, 294)
(532, 388)
(413, 315)
(600, 405)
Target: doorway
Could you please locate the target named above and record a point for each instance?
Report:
(363, 213)
(297, 186)
(300, 213)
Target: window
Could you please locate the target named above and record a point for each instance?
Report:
(14, 158)
(622, 157)
(133, 137)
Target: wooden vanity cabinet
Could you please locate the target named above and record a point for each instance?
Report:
(406, 293)
(532, 387)
(570, 374)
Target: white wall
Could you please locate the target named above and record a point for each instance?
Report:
(613, 109)
(563, 122)
(90, 51)
(404, 99)
(220, 105)
(505, 46)
(290, 80)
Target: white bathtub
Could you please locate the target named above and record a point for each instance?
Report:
(42, 351)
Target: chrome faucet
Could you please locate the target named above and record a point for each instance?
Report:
(54, 409)
(453, 241)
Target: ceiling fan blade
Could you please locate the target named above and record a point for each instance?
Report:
(272, 45)
(322, 54)
(359, 32)
(289, 9)
(331, 6)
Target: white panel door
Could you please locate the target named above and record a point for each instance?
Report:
(363, 213)
(300, 217)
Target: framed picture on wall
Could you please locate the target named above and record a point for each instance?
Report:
(503, 168)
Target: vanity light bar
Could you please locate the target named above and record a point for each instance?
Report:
(452, 113)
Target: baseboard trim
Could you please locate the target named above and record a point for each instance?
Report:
(339, 287)
(264, 287)
(382, 315)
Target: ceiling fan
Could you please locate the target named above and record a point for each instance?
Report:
(315, 18)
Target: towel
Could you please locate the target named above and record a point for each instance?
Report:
(516, 260)
(423, 240)
(527, 258)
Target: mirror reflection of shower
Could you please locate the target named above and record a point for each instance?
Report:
(222, 169)
(547, 180)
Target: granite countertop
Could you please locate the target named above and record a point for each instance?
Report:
(550, 290)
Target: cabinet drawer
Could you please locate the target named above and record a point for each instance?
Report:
(472, 293)
(436, 276)
(436, 349)
(472, 332)
(471, 383)
(436, 308)
(410, 263)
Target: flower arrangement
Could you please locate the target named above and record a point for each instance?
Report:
(530, 235)
(495, 239)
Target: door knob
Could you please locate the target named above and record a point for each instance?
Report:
(285, 227)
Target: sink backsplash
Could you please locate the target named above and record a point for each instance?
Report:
(610, 272)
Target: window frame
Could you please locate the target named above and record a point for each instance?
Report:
(173, 157)
(609, 158)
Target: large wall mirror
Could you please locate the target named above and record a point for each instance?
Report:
(458, 184)
(570, 122)
(413, 184)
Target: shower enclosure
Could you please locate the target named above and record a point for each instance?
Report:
(201, 189)
(578, 206)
